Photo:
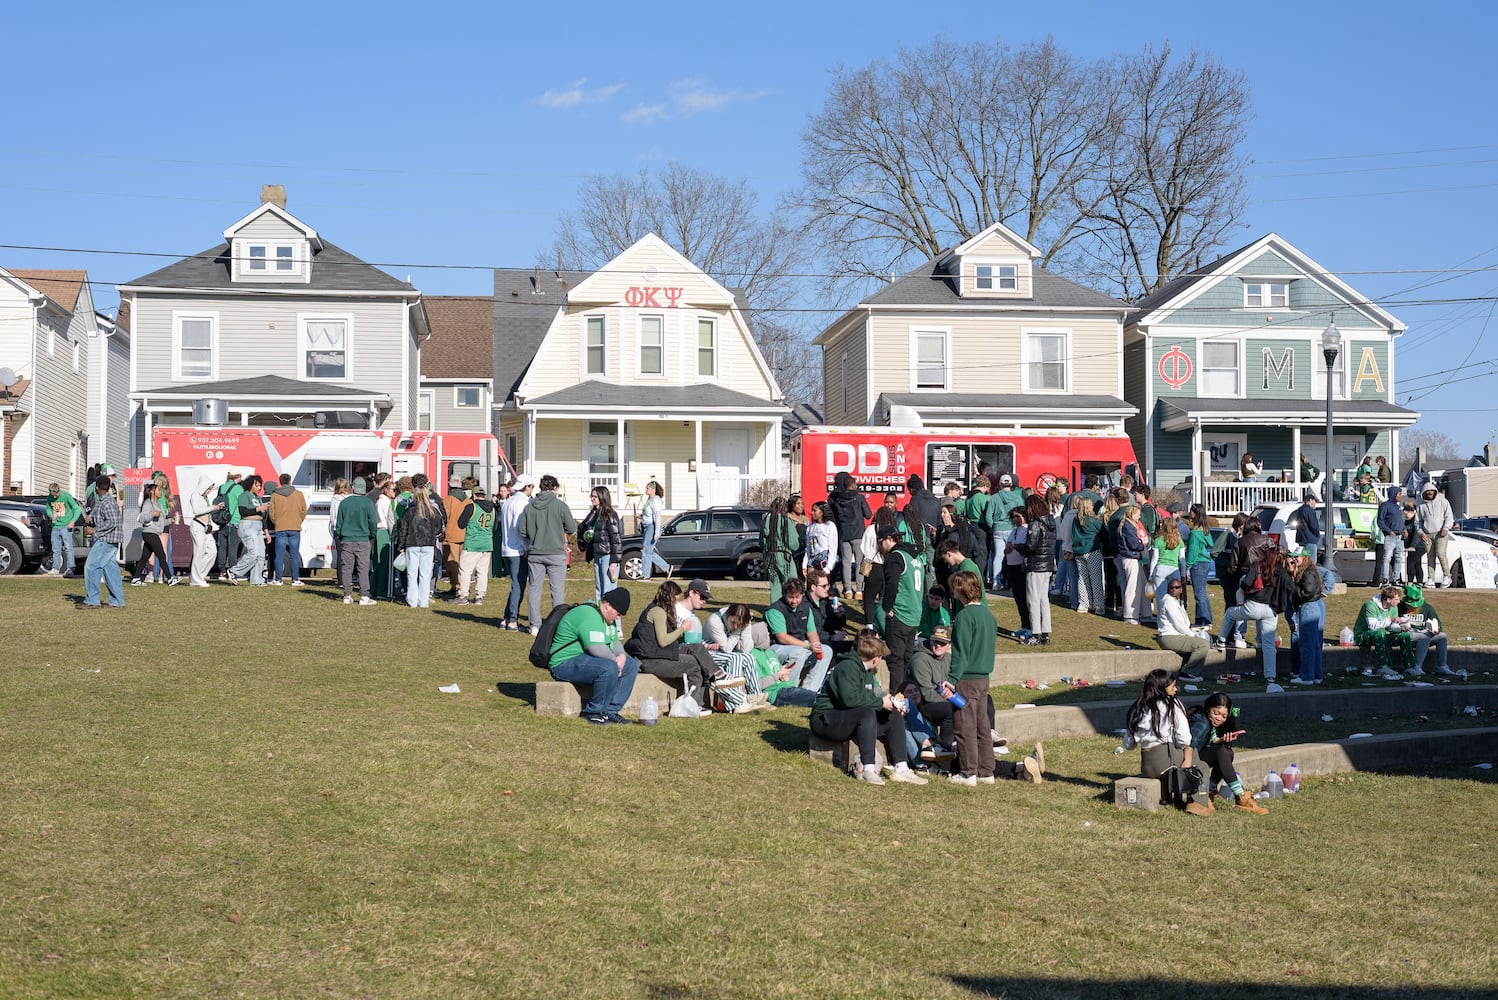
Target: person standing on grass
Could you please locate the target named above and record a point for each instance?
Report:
(1156, 723)
(477, 521)
(513, 549)
(1198, 563)
(974, 633)
(288, 509)
(1014, 571)
(1436, 522)
(850, 512)
(1391, 523)
(252, 534)
(603, 540)
(1308, 618)
(1086, 548)
(777, 540)
(355, 531)
(1039, 550)
(851, 705)
(385, 493)
(228, 541)
(417, 534)
(102, 512)
(1308, 528)
(1214, 729)
(63, 512)
(903, 601)
(546, 524)
(458, 491)
(200, 508)
(650, 528)
(150, 521)
(587, 650)
(1266, 589)
(1167, 555)
(1132, 547)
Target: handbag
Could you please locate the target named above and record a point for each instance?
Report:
(1180, 783)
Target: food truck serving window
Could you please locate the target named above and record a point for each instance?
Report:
(953, 461)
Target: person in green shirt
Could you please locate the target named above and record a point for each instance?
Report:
(1167, 550)
(974, 636)
(1198, 562)
(588, 649)
(63, 512)
(1377, 626)
(228, 535)
(935, 613)
(1001, 503)
(851, 705)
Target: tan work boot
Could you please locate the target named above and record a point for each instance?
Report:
(1195, 808)
(1247, 804)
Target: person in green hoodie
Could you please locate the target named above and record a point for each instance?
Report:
(63, 512)
(1379, 626)
(228, 536)
(1004, 501)
(1086, 550)
(974, 633)
(355, 531)
(545, 525)
(851, 705)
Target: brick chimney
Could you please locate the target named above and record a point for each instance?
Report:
(273, 193)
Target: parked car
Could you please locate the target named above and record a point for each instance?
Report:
(1474, 562)
(718, 541)
(23, 535)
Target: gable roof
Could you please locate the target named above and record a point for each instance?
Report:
(525, 303)
(929, 285)
(462, 340)
(333, 270)
(277, 386)
(720, 295)
(1179, 290)
(273, 209)
(611, 396)
(62, 287)
(967, 245)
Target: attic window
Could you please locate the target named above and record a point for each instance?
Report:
(1266, 295)
(997, 277)
(269, 258)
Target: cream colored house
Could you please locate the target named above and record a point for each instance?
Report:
(644, 369)
(980, 336)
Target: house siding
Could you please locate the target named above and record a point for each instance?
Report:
(1135, 360)
(448, 416)
(852, 342)
(109, 400)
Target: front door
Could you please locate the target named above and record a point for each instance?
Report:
(728, 459)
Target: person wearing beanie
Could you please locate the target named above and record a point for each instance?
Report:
(1425, 630)
(589, 649)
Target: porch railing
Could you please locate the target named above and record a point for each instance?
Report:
(1226, 499)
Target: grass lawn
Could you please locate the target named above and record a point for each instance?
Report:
(226, 793)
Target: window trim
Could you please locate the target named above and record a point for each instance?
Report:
(1202, 369)
(1022, 271)
(603, 345)
(478, 397)
(212, 317)
(847, 386)
(426, 406)
(916, 332)
(243, 259)
(996, 275)
(712, 322)
(1266, 284)
(303, 344)
(1318, 370)
(1027, 358)
(640, 345)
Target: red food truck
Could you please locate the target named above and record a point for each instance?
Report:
(881, 459)
(193, 457)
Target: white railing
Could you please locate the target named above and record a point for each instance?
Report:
(1226, 499)
(721, 489)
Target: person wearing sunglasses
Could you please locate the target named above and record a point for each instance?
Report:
(1177, 635)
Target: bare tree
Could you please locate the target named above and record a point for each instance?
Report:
(1087, 160)
(1435, 443)
(716, 223)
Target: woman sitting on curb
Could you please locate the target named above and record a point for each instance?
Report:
(1214, 728)
(1157, 725)
(657, 642)
(852, 705)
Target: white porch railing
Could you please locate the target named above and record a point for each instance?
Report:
(721, 489)
(713, 489)
(1226, 499)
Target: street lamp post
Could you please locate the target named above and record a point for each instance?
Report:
(1331, 346)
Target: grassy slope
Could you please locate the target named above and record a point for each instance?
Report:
(262, 793)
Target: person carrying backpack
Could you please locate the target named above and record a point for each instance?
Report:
(587, 648)
(227, 517)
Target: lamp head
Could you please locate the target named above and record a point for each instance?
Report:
(1331, 342)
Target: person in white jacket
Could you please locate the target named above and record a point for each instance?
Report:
(512, 547)
(1435, 520)
(1176, 633)
(200, 508)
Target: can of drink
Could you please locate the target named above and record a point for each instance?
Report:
(957, 700)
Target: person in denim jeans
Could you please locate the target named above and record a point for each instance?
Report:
(512, 547)
(1310, 617)
(588, 649)
(288, 509)
(1265, 585)
(103, 512)
(1391, 523)
(64, 512)
(650, 526)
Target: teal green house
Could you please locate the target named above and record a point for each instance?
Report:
(1226, 361)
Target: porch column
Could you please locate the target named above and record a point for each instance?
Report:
(244, 419)
(772, 469)
(530, 442)
(1295, 452)
(145, 416)
(619, 445)
(697, 462)
(1199, 469)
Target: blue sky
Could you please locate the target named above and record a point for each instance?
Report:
(447, 134)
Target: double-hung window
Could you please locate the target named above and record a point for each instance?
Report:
(593, 345)
(652, 345)
(1045, 362)
(196, 338)
(1219, 365)
(325, 347)
(465, 396)
(931, 359)
(1339, 372)
(997, 277)
(707, 348)
(1266, 295)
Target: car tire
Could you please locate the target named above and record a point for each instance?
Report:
(10, 556)
(631, 568)
(752, 566)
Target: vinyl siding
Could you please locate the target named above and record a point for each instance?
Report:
(852, 342)
(447, 416)
(1135, 361)
(986, 352)
(513, 425)
(1368, 357)
(269, 228)
(1271, 375)
(57, 398)
(1172, 457)
(109, 400)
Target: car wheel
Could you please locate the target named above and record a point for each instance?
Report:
(631, 568)
(752, 566)
(10, 557)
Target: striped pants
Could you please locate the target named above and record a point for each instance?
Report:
(736, 665)
(1090, 582)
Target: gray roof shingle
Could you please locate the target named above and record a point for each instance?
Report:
(525, 303)
(1177, 285)
(263, 385)
(928, 286)
(333, 270)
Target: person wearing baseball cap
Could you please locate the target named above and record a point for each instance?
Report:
(512, 548)
(588, 648)
(929, 669)
(1435, 521)
(1004, 501)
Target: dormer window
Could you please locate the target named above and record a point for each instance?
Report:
(268, 260)
(997, 277)
(1266, 295)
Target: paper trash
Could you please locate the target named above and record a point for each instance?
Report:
(450, 689)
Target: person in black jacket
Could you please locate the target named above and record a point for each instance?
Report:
(602, 541)
(925, 503)
(419, 534)
(1039, 550)
(850, 512)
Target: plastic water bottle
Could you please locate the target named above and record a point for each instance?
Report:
(1291, 778)
(1274, 786)
(650, 712)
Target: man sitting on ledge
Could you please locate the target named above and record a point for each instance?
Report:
(588, 649)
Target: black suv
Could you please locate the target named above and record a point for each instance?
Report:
(23, 535)
(718, 540)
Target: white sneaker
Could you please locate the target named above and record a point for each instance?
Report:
(970, 780)
(870, 775)
(903, 774)
(985, 779)
(348, 600)
(1297, 680)
(297, 583)
(1390, 675)
(1239, 642)
(277, 583)
(1444, 583)
(535, 630)
(366, 601)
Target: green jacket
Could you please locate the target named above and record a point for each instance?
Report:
(232, 499)
(71, 512)
(931, 618)
(545, 524)
(975, 507)
(356, 519)
(1372, 617)
(974, 638)
(1085, 534)
(1198, 547)
(849, 685)
(1000, 504)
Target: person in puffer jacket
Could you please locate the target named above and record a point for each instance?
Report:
(419, 534)
(850, 513)
(1039, 550)
(1132, 548)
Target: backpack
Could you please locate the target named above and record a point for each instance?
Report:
(223, 515)
(540, 655)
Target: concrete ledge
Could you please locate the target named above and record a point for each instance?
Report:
(561, 698)
(1395, 751)
(1046, 722)
(1137, 793)
(1132, 664)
